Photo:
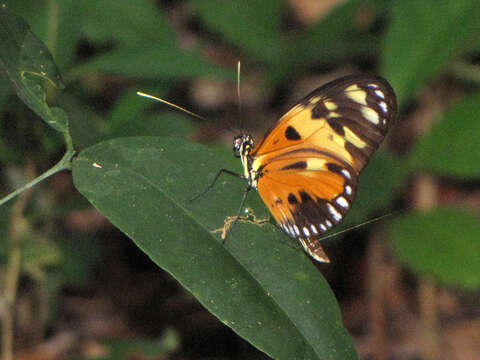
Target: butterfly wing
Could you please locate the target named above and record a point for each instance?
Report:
(308, 163)
(308, 192)
(348, 117)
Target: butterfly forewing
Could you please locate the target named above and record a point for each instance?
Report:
(350, 116)
(308, 163)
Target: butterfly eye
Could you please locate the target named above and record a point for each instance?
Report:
(237, 144)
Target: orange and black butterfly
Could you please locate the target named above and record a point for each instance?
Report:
(306, 166)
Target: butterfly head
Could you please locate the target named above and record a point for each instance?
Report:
(242, 145)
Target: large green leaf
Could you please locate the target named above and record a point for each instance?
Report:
(23, 56)
(443, 244)
(260, 285)
(253, 26)
(423, 37)
(127, 23)
(452, 147)
(153, 62)
(144, 43)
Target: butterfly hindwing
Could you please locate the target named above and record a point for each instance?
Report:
(308, 192)
(308, 163)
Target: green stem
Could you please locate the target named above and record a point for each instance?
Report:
(52, 26)
(63, 164)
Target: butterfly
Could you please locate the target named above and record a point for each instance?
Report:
(306, 166)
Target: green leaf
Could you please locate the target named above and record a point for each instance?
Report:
(443, 243)
(265, 289)
(253, 26)
(22, 54)
(131, 117)
(452, 148)
(58, 23)
(424, 37)
(145, 44)
(154, 62)
(138, 24)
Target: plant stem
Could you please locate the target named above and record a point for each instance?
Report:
(18, 227)
(63, 164)
(52, 26)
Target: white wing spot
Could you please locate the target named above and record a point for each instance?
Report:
(383, 105)
(348, 190)
(323, 227)
(328, 223)
(314, 229)
(346, 174)
(334, 212)
(380, 94)
(305, 231)
(297, 231)
(342, 202)
(289, 230)
(375, 86)
(97, 165)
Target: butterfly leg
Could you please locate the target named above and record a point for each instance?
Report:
(242, 203)
(220, 172)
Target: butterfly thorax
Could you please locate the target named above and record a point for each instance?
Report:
(242, 148)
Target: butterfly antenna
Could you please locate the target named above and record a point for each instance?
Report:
(239, 65)
(239, 95)
(171, 104)
(360, 225)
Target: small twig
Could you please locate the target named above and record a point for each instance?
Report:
(63, 164)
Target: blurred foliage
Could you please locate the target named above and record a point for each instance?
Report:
(451, 147)
(449, 253)
(167, 344)
(107, 49)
